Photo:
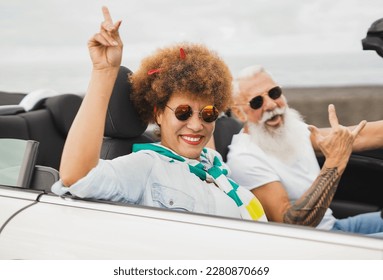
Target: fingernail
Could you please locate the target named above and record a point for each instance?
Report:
(115, 43)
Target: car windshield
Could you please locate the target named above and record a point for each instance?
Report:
(16, 161)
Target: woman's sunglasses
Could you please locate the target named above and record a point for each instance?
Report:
(208, 114)
(257, 101)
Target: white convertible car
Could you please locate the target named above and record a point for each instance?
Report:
(36, 224)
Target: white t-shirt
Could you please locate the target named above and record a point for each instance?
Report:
(251, 168)
(148, 178)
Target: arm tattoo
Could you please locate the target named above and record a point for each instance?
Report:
(311, 207)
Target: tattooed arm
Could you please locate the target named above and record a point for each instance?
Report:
(309, 209)
(312, 205)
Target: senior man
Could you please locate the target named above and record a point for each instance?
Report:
(275, 157)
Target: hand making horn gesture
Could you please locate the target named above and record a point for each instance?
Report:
(337, 145)
(105, 47)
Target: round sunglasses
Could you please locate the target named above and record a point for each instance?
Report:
(257, 102)
(208, 113)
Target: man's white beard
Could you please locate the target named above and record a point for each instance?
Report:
(283, 142)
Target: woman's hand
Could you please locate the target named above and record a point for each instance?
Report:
(105, 47)
(337, 145)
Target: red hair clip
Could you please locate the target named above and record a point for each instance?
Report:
(182, 53)
(153, 71)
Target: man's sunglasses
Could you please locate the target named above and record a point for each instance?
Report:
(257, 101)
(208, 114)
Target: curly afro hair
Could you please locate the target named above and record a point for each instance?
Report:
(186, 68)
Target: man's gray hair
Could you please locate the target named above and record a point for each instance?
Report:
(250, 71)
(246, 73)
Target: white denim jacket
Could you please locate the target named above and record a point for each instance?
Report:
(148, 178)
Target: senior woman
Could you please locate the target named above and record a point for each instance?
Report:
(182, 88)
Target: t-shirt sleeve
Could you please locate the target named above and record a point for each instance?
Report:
(121, 179)
(251, 170)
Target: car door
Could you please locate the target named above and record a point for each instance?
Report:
(14, 200)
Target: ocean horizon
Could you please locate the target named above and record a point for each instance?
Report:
(68, 75)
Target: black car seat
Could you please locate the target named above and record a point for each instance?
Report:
(123, 126)
(48, 123)
(225, 128)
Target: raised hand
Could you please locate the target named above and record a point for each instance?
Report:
(105, 47)
(337, 145)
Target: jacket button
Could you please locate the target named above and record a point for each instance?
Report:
(171, 202)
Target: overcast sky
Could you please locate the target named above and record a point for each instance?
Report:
(42, 31)
(231, 26)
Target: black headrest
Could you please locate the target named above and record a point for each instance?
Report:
(374, 38)
(225, 128)
(122, 119)
(63, 109)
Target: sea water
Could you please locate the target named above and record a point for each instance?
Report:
(68, 75)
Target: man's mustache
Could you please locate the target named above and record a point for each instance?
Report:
(270, 114)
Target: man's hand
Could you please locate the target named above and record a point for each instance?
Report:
(337, 145)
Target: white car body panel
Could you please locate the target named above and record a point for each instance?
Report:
(10, 203)
(66, 228)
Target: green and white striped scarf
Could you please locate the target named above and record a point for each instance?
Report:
(249, 206)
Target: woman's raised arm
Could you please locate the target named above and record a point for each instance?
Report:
(83, 144)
